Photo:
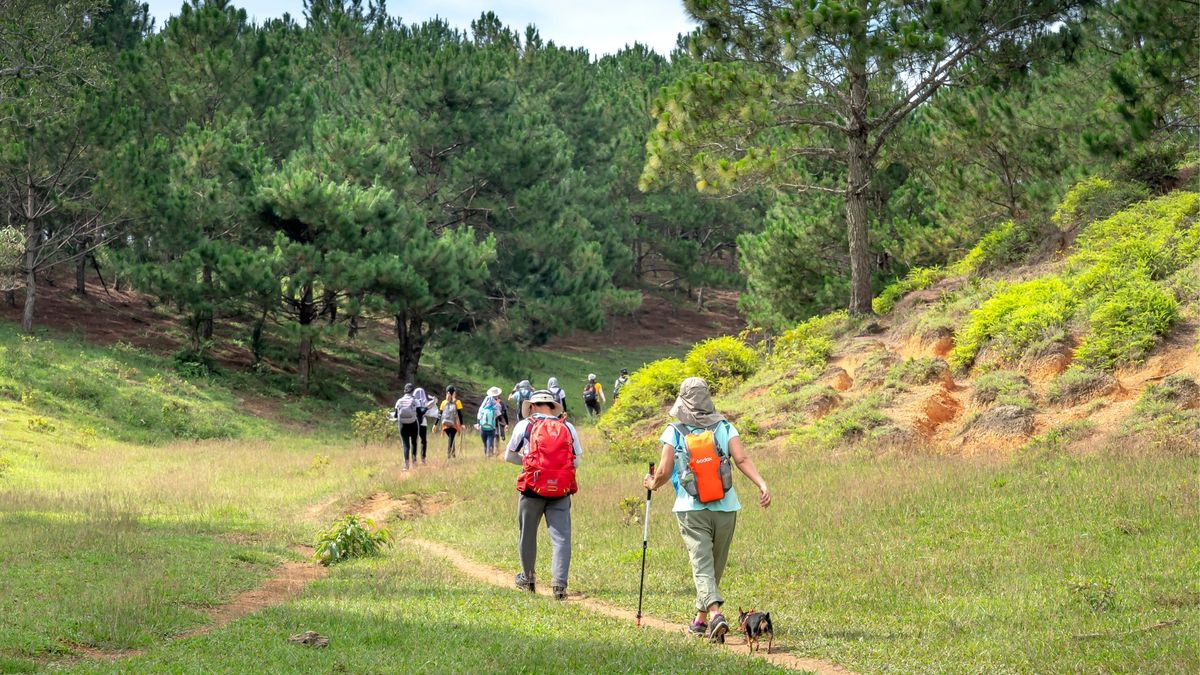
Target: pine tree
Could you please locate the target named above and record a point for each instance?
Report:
(789, 84)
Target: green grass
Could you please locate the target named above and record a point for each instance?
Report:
(895, 563)
(414, 613)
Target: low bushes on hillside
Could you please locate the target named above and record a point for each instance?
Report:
(1116, 285)
(1168, 413)
(649, 388)
(1003, 387)
(1009, 243)
(917, 279)
(1095, 198)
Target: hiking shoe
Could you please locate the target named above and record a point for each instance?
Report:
(697, 629)
(560, 593)
(717, 629)
(524, 583)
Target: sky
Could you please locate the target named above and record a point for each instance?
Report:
(601, 27)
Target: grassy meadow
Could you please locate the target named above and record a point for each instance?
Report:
(1044, 561)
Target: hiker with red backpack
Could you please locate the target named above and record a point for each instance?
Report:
(697, 453)
(547, 448)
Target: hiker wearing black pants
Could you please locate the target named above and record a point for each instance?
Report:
(426, 409)
(408, 419)
(451, 419)
(551, 446)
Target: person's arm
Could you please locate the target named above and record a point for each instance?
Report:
(512, 452)
(600, 390)
(578, 448)
(664, 469)
(746, 466)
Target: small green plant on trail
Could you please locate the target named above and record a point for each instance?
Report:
(631, 510)
(319, 463)
(5, 463)
(372, 426)
(349, 538)
(1098, 593)
(917, 279)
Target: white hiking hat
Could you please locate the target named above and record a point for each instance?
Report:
(541, 396)
(591, 377)
(493, 392)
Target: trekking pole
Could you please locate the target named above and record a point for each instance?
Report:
(645, 538)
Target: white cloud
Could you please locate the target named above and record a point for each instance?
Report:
(600, 27)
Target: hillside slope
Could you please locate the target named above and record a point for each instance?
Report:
(1083, 333)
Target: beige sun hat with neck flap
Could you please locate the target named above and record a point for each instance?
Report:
(541, 396)
(694, 406)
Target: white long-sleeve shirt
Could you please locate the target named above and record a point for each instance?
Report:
(515, 452)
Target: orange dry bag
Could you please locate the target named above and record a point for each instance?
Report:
(707, 475)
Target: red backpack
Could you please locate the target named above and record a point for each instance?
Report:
(549, 466)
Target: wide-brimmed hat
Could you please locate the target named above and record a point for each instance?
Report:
(694, 406)
(541, 396)
(591, 377)
(493, 392)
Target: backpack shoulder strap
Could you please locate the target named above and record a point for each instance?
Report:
(682, 430)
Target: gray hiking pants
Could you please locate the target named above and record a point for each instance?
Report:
(708, 536)
(558, 520)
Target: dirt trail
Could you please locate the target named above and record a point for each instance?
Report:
(778, 656)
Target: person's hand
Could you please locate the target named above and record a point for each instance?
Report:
(764, 496)
(648, 481)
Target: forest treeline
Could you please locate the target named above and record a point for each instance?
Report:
(489, 187)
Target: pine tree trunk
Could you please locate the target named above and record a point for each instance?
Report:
(256, 338)
(81, 275)
(11, 298)
(331, 305)
(410, 343)
(206, 315)
(856, 194)
(32, 241)
(307, 316)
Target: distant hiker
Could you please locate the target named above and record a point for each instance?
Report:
(426, 407)
(621, 382)
(593, 396)
(451, 419)
(519, 395)
(408, 420)
(488, 419)
(696, 453)
(547, 449)
(558, 393)
(502, 422)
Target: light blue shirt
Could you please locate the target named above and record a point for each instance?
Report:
(724, 433)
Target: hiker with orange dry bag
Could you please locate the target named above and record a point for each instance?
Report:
(547, 448)
(697, 452)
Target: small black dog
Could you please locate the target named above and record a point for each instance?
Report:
(757, 626)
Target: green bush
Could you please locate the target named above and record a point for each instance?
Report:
(1007, 244)
(1017, 316)
(373, 426)
(648, 389)
(811, 342)
(1100, 594)
(1127, 325)
(1152, 165)
(1003, 387)
(917, 279)
(850, 423)
(1077, 384)
(1166, 410)
(1095, 198)
(723, 362)
(350, 538)
(915, 372)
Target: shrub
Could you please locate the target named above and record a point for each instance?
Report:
(1151, 165)
(1060, 437)
(723, 362)
(1095, 198)
(918, 279)
(1127, 325)
(916, 372)
(1000, 384)
(1185, 284)
(1166, 410)
(1008, 243)
(5, 463)
(350, 538)
(1017, 316)
(851, 423)
(648, 389)
(1078, 384)
(373, 426)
